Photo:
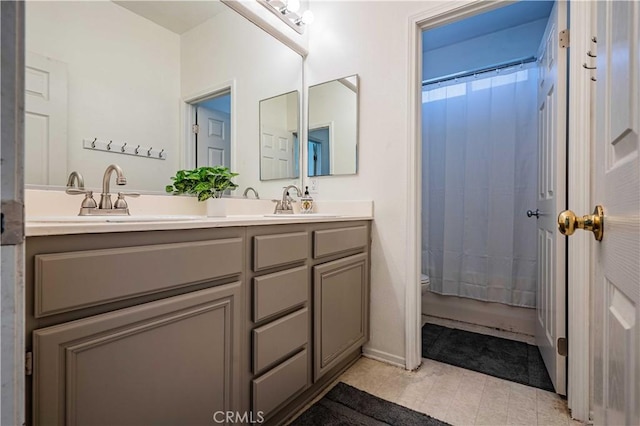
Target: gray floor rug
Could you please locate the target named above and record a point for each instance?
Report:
(345, 405)
(503, 358)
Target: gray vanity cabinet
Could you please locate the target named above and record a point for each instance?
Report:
(166, 362)
(340, 296)
(170, 327)
(280, 327)
(134, 328)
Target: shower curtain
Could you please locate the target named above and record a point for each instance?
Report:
(479, 174)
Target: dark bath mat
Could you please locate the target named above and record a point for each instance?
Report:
(346, 405)
(506, 359)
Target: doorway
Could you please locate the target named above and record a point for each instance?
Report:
(212, 131)
(460, 61)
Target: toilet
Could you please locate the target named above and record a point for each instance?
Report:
(424, 280)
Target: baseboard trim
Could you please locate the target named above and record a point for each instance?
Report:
(489, 314)
(386, 357)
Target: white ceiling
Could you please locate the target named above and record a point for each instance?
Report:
(176, 16)
(495, 20)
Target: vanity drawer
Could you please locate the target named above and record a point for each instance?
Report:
(275, 387)
(279, 338)
(280, 291)
(331, 241)
(280, 249)
(74, 280)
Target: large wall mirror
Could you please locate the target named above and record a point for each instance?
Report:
(332, 138)
(139, 75)
(279, 146)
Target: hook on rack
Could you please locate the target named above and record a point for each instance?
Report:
(591, 55)
(116, 147)
(594, 39)
(584, 65)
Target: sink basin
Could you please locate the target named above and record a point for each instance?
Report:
(302, 215)
(112, 219)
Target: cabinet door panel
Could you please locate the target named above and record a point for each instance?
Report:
(168, 362)
(341, 315)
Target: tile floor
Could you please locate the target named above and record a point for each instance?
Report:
(458, 396)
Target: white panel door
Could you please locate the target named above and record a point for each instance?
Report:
(616, 283)
(45, 121)
(276, 153)
(214, 139)
(551, 289)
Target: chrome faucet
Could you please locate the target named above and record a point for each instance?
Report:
(246, 191)
(89, 206)
(284, 206)
(75, 186)
(105, 197)
(79, 181)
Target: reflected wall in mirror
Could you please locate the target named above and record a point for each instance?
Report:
(332, 138)
(279, 129)
(129, 71)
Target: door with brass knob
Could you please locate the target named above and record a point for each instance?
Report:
(615, 283)
(568, 222)
(550, 327)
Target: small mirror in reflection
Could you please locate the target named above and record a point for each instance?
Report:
(279, 146)
(332, 139)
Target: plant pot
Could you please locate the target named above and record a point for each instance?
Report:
(216, 207)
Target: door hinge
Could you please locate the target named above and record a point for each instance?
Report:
(562, 346)
(12, 223)
(195, 129)
(28, 364)
(564, 38)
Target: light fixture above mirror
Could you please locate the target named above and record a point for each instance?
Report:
(287, 11)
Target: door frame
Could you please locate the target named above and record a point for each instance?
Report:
(578, 150)
(187, 150)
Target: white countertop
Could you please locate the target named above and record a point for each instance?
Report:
(50, 212)
(41, 228)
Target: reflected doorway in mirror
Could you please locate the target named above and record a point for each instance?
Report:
(212, 131)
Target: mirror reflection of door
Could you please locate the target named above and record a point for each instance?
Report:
(279, 149)
(213, 137)
(318, 152)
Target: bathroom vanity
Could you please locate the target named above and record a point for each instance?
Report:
(173, 326)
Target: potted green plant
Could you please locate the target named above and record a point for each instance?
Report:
(207, 183)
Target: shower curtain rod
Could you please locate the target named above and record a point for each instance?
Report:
(479, 71)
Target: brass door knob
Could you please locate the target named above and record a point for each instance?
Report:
(568, 222)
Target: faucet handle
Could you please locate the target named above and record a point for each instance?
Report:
(76, 191)
(120, 202)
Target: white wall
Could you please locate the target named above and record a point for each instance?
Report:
(261, 68)
(124, 85)
(371, 39)
(487, 50)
